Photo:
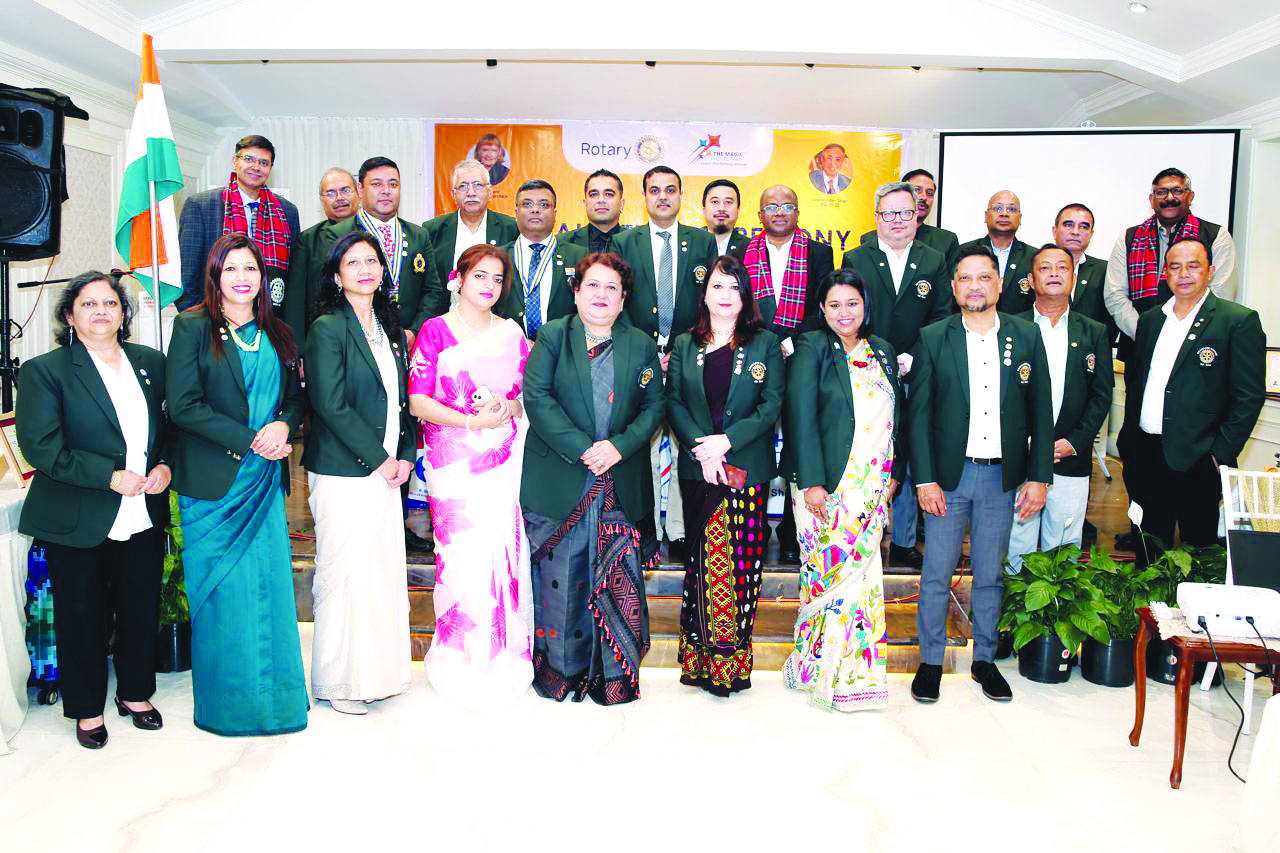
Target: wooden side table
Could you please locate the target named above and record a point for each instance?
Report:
(1190, 652)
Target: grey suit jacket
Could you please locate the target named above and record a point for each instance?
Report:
(820, 184)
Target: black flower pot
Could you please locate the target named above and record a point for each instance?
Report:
(173, 647)
(1110, 665)
(1004, 645)
(1162, 665)
(1045, 660)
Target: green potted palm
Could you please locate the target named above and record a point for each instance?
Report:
(1126, 586)
(1051, 605)
(173, 645)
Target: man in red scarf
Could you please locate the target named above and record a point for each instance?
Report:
(244, 205)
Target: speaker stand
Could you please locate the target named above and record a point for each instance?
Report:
(8, 364)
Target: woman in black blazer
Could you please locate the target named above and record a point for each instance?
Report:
(724, 394)
(91, 422)
(359, 452)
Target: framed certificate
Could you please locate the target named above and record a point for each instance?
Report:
(22, 470)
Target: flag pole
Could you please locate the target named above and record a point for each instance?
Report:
(155, 264)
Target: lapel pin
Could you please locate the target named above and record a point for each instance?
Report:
(1074, 344)
(1191, 337)
(1007, 362)
(882, 263)
(913, 266)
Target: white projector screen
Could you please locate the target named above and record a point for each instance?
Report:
(1109, 170)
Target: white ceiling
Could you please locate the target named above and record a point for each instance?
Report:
(1180, 26)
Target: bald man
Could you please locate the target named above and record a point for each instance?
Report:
(340, 200)
(1003, 218)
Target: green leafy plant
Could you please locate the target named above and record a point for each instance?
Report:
(174, 609)
(1055, 593)
(1126, 586)
(1194, 564)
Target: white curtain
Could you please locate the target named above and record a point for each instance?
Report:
(308, 147)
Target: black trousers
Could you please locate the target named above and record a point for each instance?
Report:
(113, 585)
(1187, 499)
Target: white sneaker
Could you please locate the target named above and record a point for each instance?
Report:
(348, 706)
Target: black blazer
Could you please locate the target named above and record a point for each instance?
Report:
(209, 409)
(820, 414)
(68, 430)
(348, 400)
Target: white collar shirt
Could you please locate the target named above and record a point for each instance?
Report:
(1056, 345)
(546, 262)
(466, 238)
(130, 406)
(1002, 255)
(656, 244)
(1172, 334)
(983, 353)
(897, 262)
(778, 257)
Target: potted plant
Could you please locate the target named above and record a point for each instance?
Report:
(1126, 586)
(1051, 605)
(1202, 564)
(173, 645)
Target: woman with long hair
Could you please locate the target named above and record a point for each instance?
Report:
(234, 400)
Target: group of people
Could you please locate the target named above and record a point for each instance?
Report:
(542, 370)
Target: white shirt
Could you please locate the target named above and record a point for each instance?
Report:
(524, 255)
(131, 411)
(832, 182)
(897, 262)
(1056, 346)
(722, 243)
(250, 213)
(1172, 334)
(657, 245)
(984, 392)
(1002, 255)
(466, 238)
(778, 257)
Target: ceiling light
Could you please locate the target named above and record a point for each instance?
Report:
(1138, 8)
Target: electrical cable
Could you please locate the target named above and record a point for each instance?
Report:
(1239, 728)
(1266, 651)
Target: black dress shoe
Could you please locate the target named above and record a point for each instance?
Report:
(910, 557)
(146, 720)
(677, 551)
(924, 687)
(414, 542)
(788, 553)
(92, 738)
(994, 687)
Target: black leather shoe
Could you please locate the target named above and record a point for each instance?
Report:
(994, 687)
(924, 687)
(145, 720)
(414, 542)
(92, 738)
(1004, 645)
(1127, 542)
(677, 551)
(909, 557)
(788, 553)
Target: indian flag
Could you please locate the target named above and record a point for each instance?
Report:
(150, 157)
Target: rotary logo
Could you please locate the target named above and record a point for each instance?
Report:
(1207, 355)
(646, 376)
(1024, 372)
(923, 288)
(649, 149)
(757, 372)
(1090, 362)
(276, 289)
(1024, 285)
(699, 273)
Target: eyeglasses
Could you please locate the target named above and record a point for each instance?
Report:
(250, 160)
(1004, 208)
(345, 192)
(530, 204)
(1165, 192)
(477, 186)
(900, 215)
(771, 209)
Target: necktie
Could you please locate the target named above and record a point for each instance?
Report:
(831, 186)
(666, 286)
(532, 298)
(253, 218)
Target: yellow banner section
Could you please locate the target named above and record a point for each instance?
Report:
(833, 173)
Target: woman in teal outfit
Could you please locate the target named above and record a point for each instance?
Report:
(235, 398)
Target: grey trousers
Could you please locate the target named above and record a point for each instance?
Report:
(978, 499)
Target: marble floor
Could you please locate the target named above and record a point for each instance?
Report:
(680, 770)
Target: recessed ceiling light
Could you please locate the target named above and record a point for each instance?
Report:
(1138, 8)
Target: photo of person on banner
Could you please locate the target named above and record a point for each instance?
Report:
(828, 170)
(493, 155)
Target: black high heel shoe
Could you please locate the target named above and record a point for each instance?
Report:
(95, 738)
(146, 720)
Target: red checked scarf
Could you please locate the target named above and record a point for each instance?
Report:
(272, 231)
(1145, 274)
(791, 306)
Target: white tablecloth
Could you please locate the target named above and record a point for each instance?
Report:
(15, 666)
(1259, 831)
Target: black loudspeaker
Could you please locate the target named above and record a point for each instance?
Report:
(32, 171)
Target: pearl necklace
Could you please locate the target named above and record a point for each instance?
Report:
(376, 335)
(473, 332)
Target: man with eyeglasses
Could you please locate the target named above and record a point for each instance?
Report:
(339, 199)
(908, 289)
(1003, 218)
(471, 223)
(786, 267)
(542, 266)
(720, 202)
(602, 200)
(829, 177)
(246, 206)
(938, 239)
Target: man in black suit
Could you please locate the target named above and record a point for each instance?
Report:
(602, 200)
(720, 203)
(471, 224)
(271, 221)
(1004, 217)
(938, 239)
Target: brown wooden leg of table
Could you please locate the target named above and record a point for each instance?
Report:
(1140, 681)
(1181, 703)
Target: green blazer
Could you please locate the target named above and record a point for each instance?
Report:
(68, 430)
(305, 261)
(750, 411)
(499, 230)
(694, 256)
(939, 239)
(938, 409)
(558, 401)
(349, 402)
(738, 241)
(1216, 389)
(1086, 395)
(1016, 295)
(925, 296)
(820, 400)
(581, 238)
(1091, 280)
(210, 410)
(563, 263)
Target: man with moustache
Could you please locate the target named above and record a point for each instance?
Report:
(908, 285)
(1003, 217)
(542, 267)
(1078, 351)
(602, 200)
(1073, 230)
(1195, 385)
(671, 260)
(786, 267)
(339, 198)
(981, 428)
(938, 239)
(470, 224)
(720, 202)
